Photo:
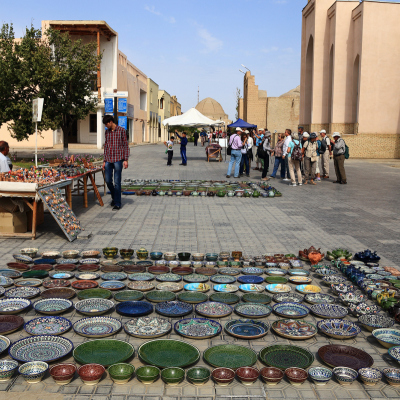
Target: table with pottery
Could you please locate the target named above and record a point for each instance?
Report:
(204, 324)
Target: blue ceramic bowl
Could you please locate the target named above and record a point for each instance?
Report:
(344, 375)
(392, 375)
(156, 255)
(339, 328)
(44, 261)
(370, 376)
(174, 309)
(320, 375)
(291, 310)
(387, 337)
(134, 308)
(249, 279)
(7, 369)
(34, 371)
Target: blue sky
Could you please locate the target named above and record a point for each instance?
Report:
(185, 44)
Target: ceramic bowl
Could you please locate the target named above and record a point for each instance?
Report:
(296, 376)
(7, 369)
(223, 376)
(169, 256)
(71, 254)
(147, 374)
(29, 251)
(198, 375)
(90, 253)
(370, 376)
(247, 375)
(271, 375)
(387, 337)
(34, 371)
(63, 373)
(126, 254)
(344, 375)
(121, 373)
(51, 254)
(211, 256)
(22, 258)
(156, 255)
(110, 252)
(173, 375)
(378, 321)
(198, 256)
(52, 306)
(13, 305)
(91, 373)
(320, 375)
(184, 256)
(392, 375)
(94, 307)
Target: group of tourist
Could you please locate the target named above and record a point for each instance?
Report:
(299, 155)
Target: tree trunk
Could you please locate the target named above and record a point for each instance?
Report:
(65, 141)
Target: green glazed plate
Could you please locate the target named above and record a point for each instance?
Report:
(94, 294)
(105, 352)
(230, 356)
(276, 279)
(165, 353)
(286, 356)
(160, 295)
(192, 297)
(128, 295)
(227, 298)
(260, 298)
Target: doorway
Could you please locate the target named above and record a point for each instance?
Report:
(73, 134)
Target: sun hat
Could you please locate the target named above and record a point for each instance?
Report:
(323, 131)
(306, 135)
(313, 135)
(239, 130)
(336, 134)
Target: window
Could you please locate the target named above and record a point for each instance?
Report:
(93, 123)
(151, 96)
(161, 103)
(143, 100)
(93, 83)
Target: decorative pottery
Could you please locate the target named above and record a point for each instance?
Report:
(47, 326)
(54, 283)
(25, 292)
(371, 322)
(173, 309)
(197, 328)
(247, 329)
(206, 271)
(363, 309)
(213, 309)
(13, 305)
(96, 293)
(121, 373)
(345, 375)
(40, 348)
(105, 352)
(352, 298)
(33, 371)
(319, 298)
(230, 356)
(142, 253)
(10, 273)
(90, 253)
(198, 375)
(158, 269)
(18, 266)
(114, 276)
(247, 375)
(333, 280)
(227, 298)
(294, 329)
(320, 375)
(251, 288)
(42, 267)
(97, 327)
(10, 323)
(91, 373)
(93, 307)
(308, 289)
(63, 373)
(225, 288)
(156, 255)
(170, 277)
(223, 376)
(87, 276)
(7, 369)
(276, 279)
(229, 271)
(192, 297)
(336, 355)
(184, 256)
(5, 281)
(166, 353)
(147, 327)
(65, 261)
(252, 271)
(128, 295)
(22, 258)
(147, 374)
(394, 352)
(160, 295)
(278, 288)
(169, 256)
(29, 251)
(288, 298)
(4, 343)
(143, 286)
(222, 279)
(329, 310)
(253, 310)
(250, 279)
(61, 293)
(296, 376)
(387, 337)
(170, 286)
(275, 272)
(198, 256)
(197, 287)
(112, 285)
(370, 376)
(142, 276)
(339, 328)
(110, 252)
(134, 308)
(172, 376)
(60, 274)
(392, 375)
(286, 356)
(271, 375)
(291, 310)
(297, 280)
(211, 256)
(126, 254)
(341, 288)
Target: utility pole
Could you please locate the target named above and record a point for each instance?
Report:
(198, 94)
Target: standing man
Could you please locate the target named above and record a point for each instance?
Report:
(300, 131)
(184, 142)
(4, 150)
(325, 151)
(259, 140)
(288, 139)
(339, 148)
(203, 136)
(196, 137)
(116, 154)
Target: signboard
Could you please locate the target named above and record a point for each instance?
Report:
(130, 111)
(123, 122)
(37, 109)
(122, 105)
(116, 94)
(109, 105)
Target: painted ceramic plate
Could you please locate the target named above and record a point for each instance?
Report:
(227, 298)
(230, 356)
(251, 288)
(226, 288)
(252, 271)
(134, 308)
(53, 283)
(96, 293)
(23, 259)
(90, 261)
(52, 306)
(173, 309)
(251, 279)
(198, 278)
(197, 328)
(339, 328)
(192, 297)
(25, 292)
(40, 348)
(229, 271)
(147, 327)
(260, 298)
(158, 296)
(61, 275)
(224, 279)
(141, 276)
(170, 277)
(47, 326)
(94, 307)
(286, 356)
(5, 281)
(247, 329)
(164, 353)
(87, 276)
(294, 329)
(291, 310)
(318, 298)
(29, 282)
(308, 289)
(377, 321)
(105, 352)
(128, 295)
(197, 287)
(278, 288)
(394, 352)
(252, 310)
(300, 280)
(298, 272)
(97, 327)
(114, 276)
(10, 273)
(170, 286)
(143, 286)
(112, 285)
(10, 323)
(329, 310)
(288, 298)
(213, 309)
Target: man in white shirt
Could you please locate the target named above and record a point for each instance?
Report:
(4, 150)
(288, 139)
(249, 147)
(325, 152)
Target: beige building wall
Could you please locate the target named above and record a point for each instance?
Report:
(152, 110)
(176, 108)
(164, 111)
(240, 108)
(283, 113)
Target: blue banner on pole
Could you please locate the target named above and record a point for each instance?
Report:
(108, 105)
(123, 122)
(122, 105)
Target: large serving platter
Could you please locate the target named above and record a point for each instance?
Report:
(286, 356)
(47, 326)
(337, 355)
(213, 309)
(173, 309)
(339, 328)
(97, 327)
(329, 310)
(52, 306)
(227, 298)
(247, 329)
(134, 308)
(197, 328)
(294, 329)
(14, 305)
(291, 310)
(253, 310)
(230, 356)
(147, 327)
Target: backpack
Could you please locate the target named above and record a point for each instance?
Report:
(229, 149)
(346, 152)
(296, 152)
(323, 146)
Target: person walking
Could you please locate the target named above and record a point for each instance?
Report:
(116, 154)
(295, 156)
(259, 139)
(236, 155)
(195, 137)
(184, 142)
(266, 146)
(339, 148)
(278, 153)
(250, 144)
(244, 162)
(304, 138)
(4, 150)
(288, 139)
(203, 136)
(170, 150)
(325, 152)
(310, 151)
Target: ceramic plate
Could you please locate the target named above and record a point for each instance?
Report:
(170, 286)
(25, 292)
(87, 276)
(67, 261)
(378, 321)
(260, 298)
(112, 285)
(40, 348)
(10, 323)
(227, 298)
(47, 326)
(23, 259)
(251, 279)
(300, 279)
(143, 286)
(134, 308)
(294, 329)
(286, 356)
(54, 283)
(96, 293)
(247, 329)
(27, 282)
(97, 327)
(197, 287)
(198, 278)
(169, 278)
(197, 328)
(224, 279)
(90, 261)
(5, 281)
(192, 297)
(157, 296)
(128, 295)
(94, 307)
(252, 271)
(318, 298)
(288, 297)
(173, 309)
(252, 310)
(298, 272)
(251, 288)
(61, 275)
(142, 276)
(105, 352)
(52, 306)
(230, 356)
(339, 328)
(278, 288)
(329, 310)
(114, 276)
(291, 310)
(10, 273)
(213, 309)
(337, 355)
(229, 271)
(164, 353)
(226, 288)
(147, 327)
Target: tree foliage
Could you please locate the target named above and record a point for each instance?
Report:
(237, 103)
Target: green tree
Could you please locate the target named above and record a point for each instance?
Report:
(237, 103)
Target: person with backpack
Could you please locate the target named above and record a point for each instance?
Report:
(234, 149)
(288, 139)
(278, 152)
(310, 152)
(325, 151)
(295, 156)
(339, 150)
(264, 152)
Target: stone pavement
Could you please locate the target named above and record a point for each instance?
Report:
(360, 215)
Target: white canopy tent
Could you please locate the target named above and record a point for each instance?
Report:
(192, 117)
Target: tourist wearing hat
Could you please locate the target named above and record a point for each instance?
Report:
(325, 152)
(295, 156)
(310, 152)
(266, 145)
(288, 139)
(339, 148)
(250, 144)
(236, 155)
